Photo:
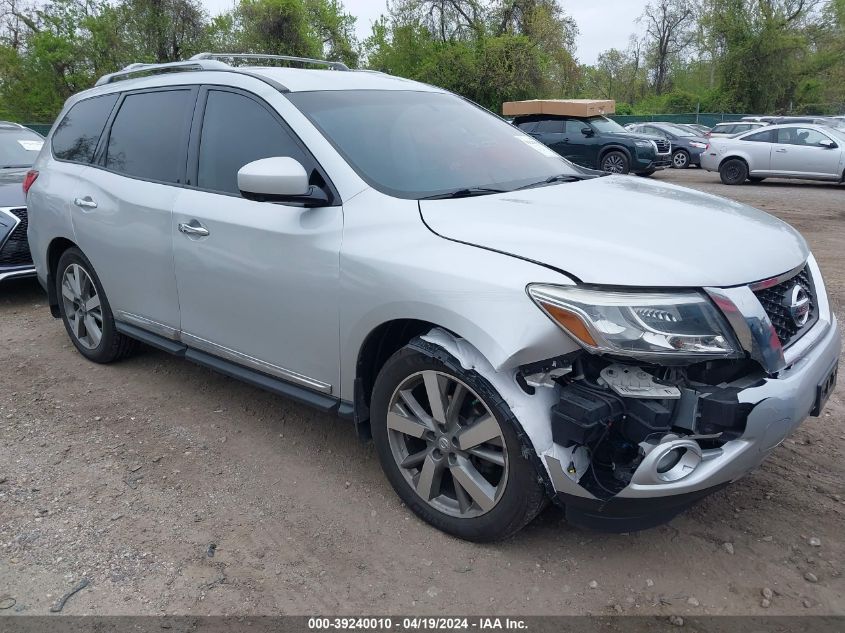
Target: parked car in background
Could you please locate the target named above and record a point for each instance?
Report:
(759, 119)
(696, 128)
(815, 120)
(686, 145)
(506, 326)
(809, 152)
(19, 147)
(735, 127)
(597, 142)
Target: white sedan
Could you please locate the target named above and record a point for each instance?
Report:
(809, 152)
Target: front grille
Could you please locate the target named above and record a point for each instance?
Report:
(15, 251)
(775, 304)
(663, 146)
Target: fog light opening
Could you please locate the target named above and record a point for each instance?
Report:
(670, 460)
(676, 463)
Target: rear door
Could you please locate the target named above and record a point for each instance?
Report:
(798, 152)
(550, 133)
(258, 285)
(123, 205)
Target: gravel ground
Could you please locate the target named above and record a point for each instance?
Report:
(176, 490)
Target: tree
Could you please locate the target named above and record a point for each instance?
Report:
(669, 29)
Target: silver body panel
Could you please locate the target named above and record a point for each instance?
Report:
(626, 231)
(294, 293)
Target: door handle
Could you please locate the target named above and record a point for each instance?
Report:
(781, 151)
(193, 228)
(85, 203)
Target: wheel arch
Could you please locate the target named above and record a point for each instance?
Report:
(54, 252)
(615, 148)
(735, 157)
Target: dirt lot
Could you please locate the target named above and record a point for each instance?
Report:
(126, 474)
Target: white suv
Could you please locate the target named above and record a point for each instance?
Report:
(507, 327)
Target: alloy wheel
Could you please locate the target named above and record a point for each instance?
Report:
(447, 444)
(614, 163)
(680, 160)
(82, 306)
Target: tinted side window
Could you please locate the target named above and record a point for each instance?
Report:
(723, 129)
(759, 137)
(237, 130)
(574, 127)
(146, 139)
(527, 126)
(77, 135)
(549, 126)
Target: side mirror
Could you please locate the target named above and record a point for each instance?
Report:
(587, 131)
(827, 144)
(279, 179)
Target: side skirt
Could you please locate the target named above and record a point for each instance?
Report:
(320, 401)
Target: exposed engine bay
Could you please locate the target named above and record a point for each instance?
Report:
(616, 418)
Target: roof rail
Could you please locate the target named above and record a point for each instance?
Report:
(287, 58)
(157, 69)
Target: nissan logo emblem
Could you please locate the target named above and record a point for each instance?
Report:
(797, 301)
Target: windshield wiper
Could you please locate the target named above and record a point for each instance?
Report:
(552, 179)
(465, 192)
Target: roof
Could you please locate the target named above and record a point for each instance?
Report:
(286, 79)
(304, 80)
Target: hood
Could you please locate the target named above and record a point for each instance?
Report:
(11, 190)
(626, 231)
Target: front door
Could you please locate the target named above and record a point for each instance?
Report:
(798, 151)
(258, 281)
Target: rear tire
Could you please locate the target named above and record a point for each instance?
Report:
(733, 171)
(680, 159)
(479, 486)
(85, 311)
(615, 162)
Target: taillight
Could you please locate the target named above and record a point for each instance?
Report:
(28, 181)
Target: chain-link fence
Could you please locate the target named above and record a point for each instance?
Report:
(704, 118)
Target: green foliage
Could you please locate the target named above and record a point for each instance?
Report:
(764, 56)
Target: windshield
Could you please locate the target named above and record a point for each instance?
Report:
(420, 144)
(18, 147)
(603, 124)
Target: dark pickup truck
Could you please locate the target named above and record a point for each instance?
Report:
(598, 143)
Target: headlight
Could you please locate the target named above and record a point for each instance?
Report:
(698, 145)
(643, 144)
(639, 324)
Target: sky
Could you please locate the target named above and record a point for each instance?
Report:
(602, 24)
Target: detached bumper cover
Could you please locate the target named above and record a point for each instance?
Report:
(779, 405)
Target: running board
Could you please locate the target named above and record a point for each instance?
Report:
(322, 402)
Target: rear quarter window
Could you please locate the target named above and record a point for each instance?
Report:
(78, 133)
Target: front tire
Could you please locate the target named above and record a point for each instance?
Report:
(615, 163)
(449, 446)
(85, 310)
(733, 171)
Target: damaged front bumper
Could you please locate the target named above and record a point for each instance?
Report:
(778, 404)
